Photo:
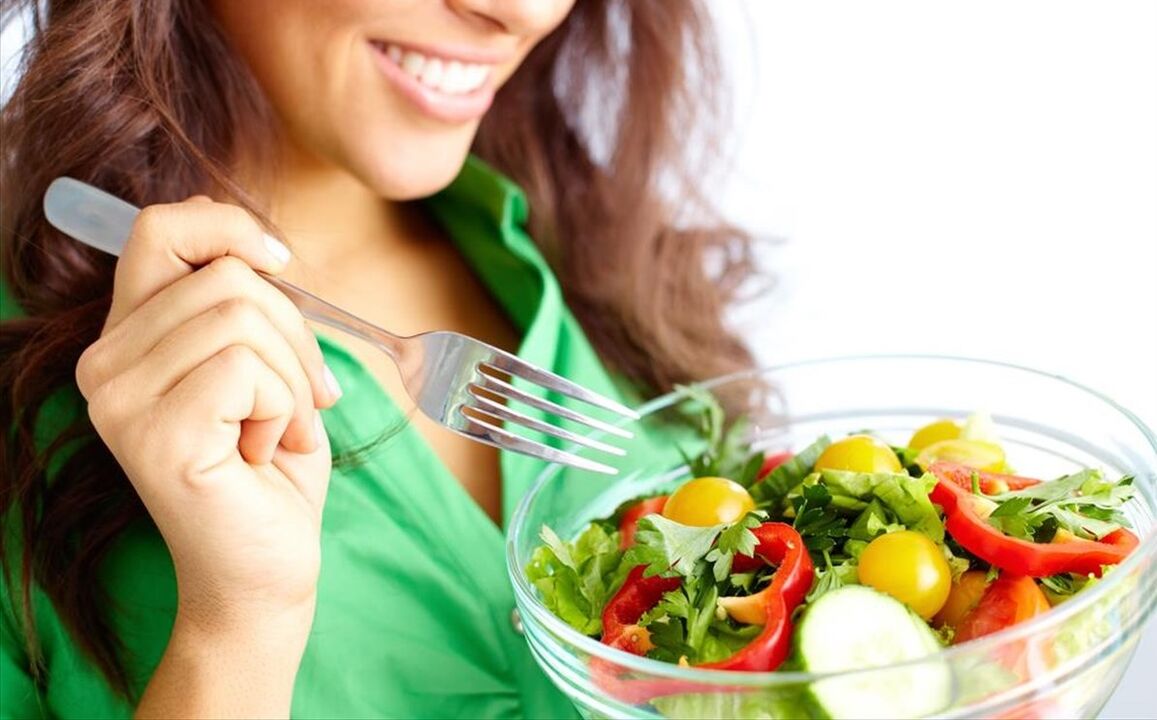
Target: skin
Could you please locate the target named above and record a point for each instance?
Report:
(206, 382)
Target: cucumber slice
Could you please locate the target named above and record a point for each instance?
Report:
(856, 627)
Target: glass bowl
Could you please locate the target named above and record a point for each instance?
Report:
(1064, 663)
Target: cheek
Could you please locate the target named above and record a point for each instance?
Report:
(319, 74)
(367, 128)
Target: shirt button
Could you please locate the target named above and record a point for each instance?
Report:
(516, 621)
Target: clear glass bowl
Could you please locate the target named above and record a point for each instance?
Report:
(1064, 664)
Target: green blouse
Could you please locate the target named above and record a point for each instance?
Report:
(414, 606)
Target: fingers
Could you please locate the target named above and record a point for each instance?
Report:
(241, 393)
(308, 473)
(171, 241)
(235, 322)
(224, 280)
(194, 329)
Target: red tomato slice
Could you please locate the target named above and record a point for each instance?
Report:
(1011, 599)
(990, 483)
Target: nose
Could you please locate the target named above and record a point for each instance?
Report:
(517, 17)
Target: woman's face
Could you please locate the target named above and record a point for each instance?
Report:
(390, 90)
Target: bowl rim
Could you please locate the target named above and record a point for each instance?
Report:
(527, 595)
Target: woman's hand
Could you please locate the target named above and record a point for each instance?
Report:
(205, 384)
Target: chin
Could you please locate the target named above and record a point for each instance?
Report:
(415, 169)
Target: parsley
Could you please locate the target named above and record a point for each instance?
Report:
(1084, 504)
(664, 545)
(1011, 518)
(737, 538)
(686, 624)
(818, 524)
(669, 639)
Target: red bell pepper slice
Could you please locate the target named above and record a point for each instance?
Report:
(630, 521)
(1014, 555)
(776, 544)
(990, 483)
(622, 613)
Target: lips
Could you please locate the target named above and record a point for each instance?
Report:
(450, 89)
(452, 77)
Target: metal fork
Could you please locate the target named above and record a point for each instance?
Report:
(455, 380)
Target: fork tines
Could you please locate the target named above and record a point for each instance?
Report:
(487, 410)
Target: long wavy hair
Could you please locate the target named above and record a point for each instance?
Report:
(146, 99)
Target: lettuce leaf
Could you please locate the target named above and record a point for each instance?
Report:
(780, 481)
(791, 703)
(906, 497)
(577, 579)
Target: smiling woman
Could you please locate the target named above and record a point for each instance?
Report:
(392, 90)
(173, 544)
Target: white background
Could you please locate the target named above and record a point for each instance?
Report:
(983, 174)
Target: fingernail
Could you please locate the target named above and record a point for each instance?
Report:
(331, 383)
(277, 249)
(318, 427)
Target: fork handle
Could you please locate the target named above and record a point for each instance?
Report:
(104, 221)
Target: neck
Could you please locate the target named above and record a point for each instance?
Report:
(328, 216)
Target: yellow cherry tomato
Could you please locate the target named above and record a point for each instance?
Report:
(964, 595)
(978, 454)
(708, 501)
(934, 432)
(910, 567)
(859, 453)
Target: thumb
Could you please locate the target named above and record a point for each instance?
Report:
(309, 472)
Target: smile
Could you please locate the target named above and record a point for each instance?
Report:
(448, 76)
(448, 89)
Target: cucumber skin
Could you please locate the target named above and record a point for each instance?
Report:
(810, 701)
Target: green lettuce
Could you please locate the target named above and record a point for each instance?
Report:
(904, 496)
(791, 703)
(577, 579)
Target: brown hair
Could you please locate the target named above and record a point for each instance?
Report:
(146, 100)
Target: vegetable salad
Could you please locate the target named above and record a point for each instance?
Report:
(751, 562)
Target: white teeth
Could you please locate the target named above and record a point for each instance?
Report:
(413, 63)
(447, 76)
(476, 75)
(454, 81)
(432, 73)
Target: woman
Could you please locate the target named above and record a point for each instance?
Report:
(176, 539)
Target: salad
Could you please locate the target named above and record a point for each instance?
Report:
(847, 553)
